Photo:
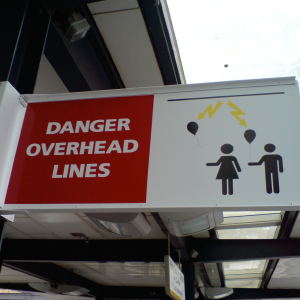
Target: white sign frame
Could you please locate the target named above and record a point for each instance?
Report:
(12, 114)
(155, 201)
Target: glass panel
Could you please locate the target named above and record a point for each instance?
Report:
(248, 233)
(244, 267)
(244, 217)
(243, 283)
(248, 213)
(233, 40)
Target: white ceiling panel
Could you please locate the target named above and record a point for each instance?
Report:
(112, 5)
(12, 276)
(286, 274)
(128, 42)
(63, 224)
(47, 81)
(136, 268)
(12, 233)
(132, 279)
(99, 278)
(29, 226)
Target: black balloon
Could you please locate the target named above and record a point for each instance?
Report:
(192, 127)
(249, 135)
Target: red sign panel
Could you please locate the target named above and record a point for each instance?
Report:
(83, 151)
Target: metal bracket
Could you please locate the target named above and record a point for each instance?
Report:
(23, 101)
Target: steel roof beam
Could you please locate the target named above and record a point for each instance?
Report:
(263, 294)
(161, 41)
(63, 4)
(137, 292)
(142, 250)
(81, 250)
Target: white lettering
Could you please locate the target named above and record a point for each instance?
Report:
(96, 123)
(126, 146)
(90, 168)
(99, 145)
(72, 146)
(123, 123)
(45, 151)
(66, 170)
(80, 125)
(109, 125)
(103, 169)
(37, 150)
(59, 147)
(67, 127)
(78, 172)
(49, 128)
(54, 174)
(83, 147)
(114, 146)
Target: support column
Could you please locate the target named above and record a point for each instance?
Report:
(23, 31)
(2, 230)
(188, 269)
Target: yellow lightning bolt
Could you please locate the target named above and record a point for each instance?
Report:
(210, 110)
(237, 113)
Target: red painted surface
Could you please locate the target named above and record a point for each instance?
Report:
(31, 180)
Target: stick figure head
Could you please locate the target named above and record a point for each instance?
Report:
(270, 148)
(227, 148)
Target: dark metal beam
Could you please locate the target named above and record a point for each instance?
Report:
(2, 230)
(142, 250)
(213, 235)
(263, 294)
(161, 42)
(182, 246)
(178, 243)
(24, 26)
(96, 41)
(17, 287)
(132, 292)
(54, 274)
(79, 250)
(286, 228)
(83, 65)
(63, 4)
(188, 269)
(236, 250)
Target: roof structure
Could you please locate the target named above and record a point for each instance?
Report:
(130, 44)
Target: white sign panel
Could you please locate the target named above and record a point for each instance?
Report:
(174, 280)
(219, 146)
(226, 148)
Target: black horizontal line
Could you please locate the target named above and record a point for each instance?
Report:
(229, 96)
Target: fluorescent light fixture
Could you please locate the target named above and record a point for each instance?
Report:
(194, 225)
(123, 224)
(218, 293)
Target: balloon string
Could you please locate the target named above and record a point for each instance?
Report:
(198, 142)
(250, 152)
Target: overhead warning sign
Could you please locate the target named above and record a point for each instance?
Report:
(220, 145)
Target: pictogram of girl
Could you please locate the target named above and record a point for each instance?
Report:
(227, 170)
